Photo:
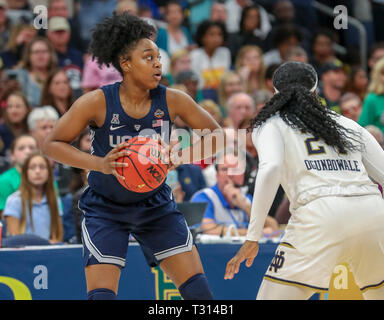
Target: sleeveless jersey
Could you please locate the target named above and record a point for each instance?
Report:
(119, 127)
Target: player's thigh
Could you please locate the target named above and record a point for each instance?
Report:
(270, 290)
(102, 276)
(180, 267)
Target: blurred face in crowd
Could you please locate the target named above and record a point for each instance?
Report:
(17, 4)
(16, 109)
(174, 15)
(376, 56)
(252, 59)
(42, 129)
(227, 171)
(59, 86)
(182, 64)
(360, 80)
(58, 8)
(284, 11)
(219, 12)
(24, 146)
(241, 107)
(335, 79)
(287, 45)
(192, 87)
(59, 38)
(37, 171)
(233, 85)
(40, 55)
(322, 46)
(3, 15)
(213, 38)
(251, 20)
(85, 143)
(351, 109)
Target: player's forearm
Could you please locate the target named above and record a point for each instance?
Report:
(65, 153)
(205, 148)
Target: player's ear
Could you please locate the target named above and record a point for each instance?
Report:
(125, 64)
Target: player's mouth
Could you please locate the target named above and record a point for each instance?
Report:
(157, 76)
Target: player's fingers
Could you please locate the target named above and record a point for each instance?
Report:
(117, 175)
(231, 268)
(249, 261)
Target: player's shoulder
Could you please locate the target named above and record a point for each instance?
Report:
(345, 122)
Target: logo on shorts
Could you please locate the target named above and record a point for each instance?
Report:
(277, 261)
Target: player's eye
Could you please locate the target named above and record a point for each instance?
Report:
(159, 57)
(149, 58)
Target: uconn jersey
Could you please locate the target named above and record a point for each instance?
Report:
(119, 127)
(311, 169)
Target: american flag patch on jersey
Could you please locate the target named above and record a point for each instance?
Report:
(157, 123)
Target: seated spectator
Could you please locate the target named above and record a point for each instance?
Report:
(21, 148)
(358, 82)
(39, 59)
(332, 86)
(218, 12)
(250, 66)
(15, 120)
(322, 49)
(260, 98)
(230, 84)
(175, 36)
(284, 37)
(240, 106)
(268, 77)
(69, 58)
(190, 80)
(297, 54)
(180, 61)
(34, 208)
(213, 109)
(376, 52)
(5, 26)
(21, 34)
(129, 6)
(57, 92)
(212, 59)
(19, 10)
(227, 204)
(351, 106)
(8, 84)
(372, 113)
(41, 121)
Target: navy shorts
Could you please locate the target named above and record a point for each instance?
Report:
(155, 223)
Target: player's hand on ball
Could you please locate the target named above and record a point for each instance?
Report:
(248, 252)
(109, 163)
(167, 151)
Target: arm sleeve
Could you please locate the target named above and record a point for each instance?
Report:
(270, 147)
(373, 157)
(13, 207)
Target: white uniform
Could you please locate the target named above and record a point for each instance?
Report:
(337, 211)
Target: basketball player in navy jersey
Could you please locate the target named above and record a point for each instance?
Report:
(116, 113)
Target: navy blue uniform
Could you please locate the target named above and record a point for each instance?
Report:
(111, 212)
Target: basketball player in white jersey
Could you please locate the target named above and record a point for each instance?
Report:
(324, 162)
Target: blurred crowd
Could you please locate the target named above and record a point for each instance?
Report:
(222, 53)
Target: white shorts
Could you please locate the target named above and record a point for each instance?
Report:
(327, 232)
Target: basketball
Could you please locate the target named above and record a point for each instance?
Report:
(146, 171)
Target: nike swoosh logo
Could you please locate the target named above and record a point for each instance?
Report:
(112, 128)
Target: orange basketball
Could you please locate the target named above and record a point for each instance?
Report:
(146, 171)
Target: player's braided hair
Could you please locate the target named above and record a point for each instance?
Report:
(116, 36)
(301, 109)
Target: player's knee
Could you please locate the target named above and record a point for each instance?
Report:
(196, 288)
(101, 294)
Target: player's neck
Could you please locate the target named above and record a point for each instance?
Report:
(132, 94)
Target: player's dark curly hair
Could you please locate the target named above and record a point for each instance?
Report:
(116, 36)
(301, 109)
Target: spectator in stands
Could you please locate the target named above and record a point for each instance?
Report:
(41, 121)
(268, 77)
(333, 81)
(250, 66)
(20, 35)
(375, 54)
(247, 34)
(39, 59)
(129, 6)
(190, 80)
(15, 120)
(260, 98)
(322, 49)
(5, 26)
(175, 36)
(376, 133)
(35, 209)
(212, 59)
(230, 84)
(59, 8)
(372, 113)
(21, 148)
(240, 106)
(219, 12)
(69, 58)
(57, 92)
(358, 82)
(351, 106)
(180, 61)
(213, 109)
(227, 203)
(8, 84)
(297, 54)
(19, 10)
